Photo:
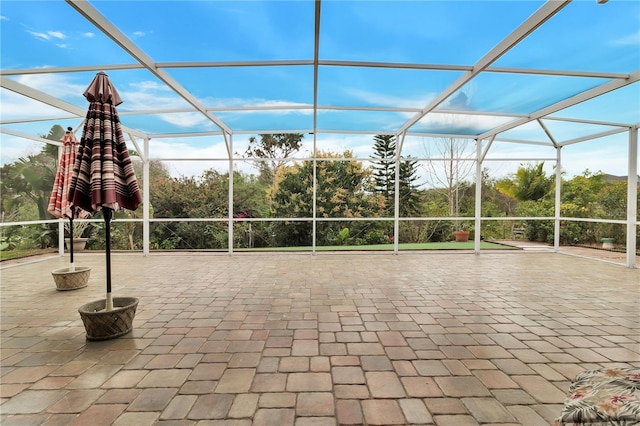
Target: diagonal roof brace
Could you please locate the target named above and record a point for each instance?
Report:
(574, 100)
(110, 30)
(543, 14)
(547, 132)
(39, 96)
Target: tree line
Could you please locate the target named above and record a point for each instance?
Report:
(354, 203)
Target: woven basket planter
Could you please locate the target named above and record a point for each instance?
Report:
(67, 280)
(104, 325)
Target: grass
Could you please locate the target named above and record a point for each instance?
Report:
(389, 247)
(18, 254)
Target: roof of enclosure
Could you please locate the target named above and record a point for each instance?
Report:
(556, 72)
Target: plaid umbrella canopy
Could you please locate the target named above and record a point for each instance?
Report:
(59, 205)
(103, 176)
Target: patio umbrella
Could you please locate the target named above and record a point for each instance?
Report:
(59, 202)
(103, 176)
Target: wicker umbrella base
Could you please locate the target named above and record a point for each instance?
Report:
(67, 280)
(105, 325)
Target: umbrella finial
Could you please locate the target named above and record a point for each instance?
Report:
(101, 90)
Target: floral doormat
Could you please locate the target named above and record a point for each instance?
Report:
(603, 397)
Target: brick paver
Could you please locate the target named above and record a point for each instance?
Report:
(321, 340)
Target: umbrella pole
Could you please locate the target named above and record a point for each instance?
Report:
(72, 266)
(107, 213)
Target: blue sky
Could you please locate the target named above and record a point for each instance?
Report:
(584, 37)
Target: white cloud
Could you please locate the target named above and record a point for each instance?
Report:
(146, 95)
(57, 34)
(179, 148)
(14, 148)
(56, 85)
(147, 85)
(42, 36)
(374, 98)
(88, 35)
(48, 35)
(630, 40)
(14, 106)
(462, 121)
(150, 95)
(138, 34)
(186, 120)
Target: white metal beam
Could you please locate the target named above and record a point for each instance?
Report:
(59, 70)
(547, 132)
(316, 54)
(594, 136)
(321, 62)
(583, 121)
(478, 199)
(30, 137)
(632, 197)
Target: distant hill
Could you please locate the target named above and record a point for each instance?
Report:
(613, 178)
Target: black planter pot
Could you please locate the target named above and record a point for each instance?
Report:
(104, 325)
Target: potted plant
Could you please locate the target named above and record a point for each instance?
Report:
(607, 243)
(461, 233)
(78, 236)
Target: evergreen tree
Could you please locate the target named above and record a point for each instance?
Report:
(384, 175)
(409, 195)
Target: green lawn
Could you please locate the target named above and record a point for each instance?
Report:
(451, 245)
(17, 254)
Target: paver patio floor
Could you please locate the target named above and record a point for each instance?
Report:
(295, 339)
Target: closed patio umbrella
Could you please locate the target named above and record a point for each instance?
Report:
(59, 205)
(103, 176)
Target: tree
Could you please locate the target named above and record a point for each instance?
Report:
(190, 197)
(343, 189)
(30, 179)
(531, 187)
(25, 189)
(384, 175)
(409, 194)
(203, 197)
(529, 183)
(593, 195)
(451, 164)
(274, 148)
